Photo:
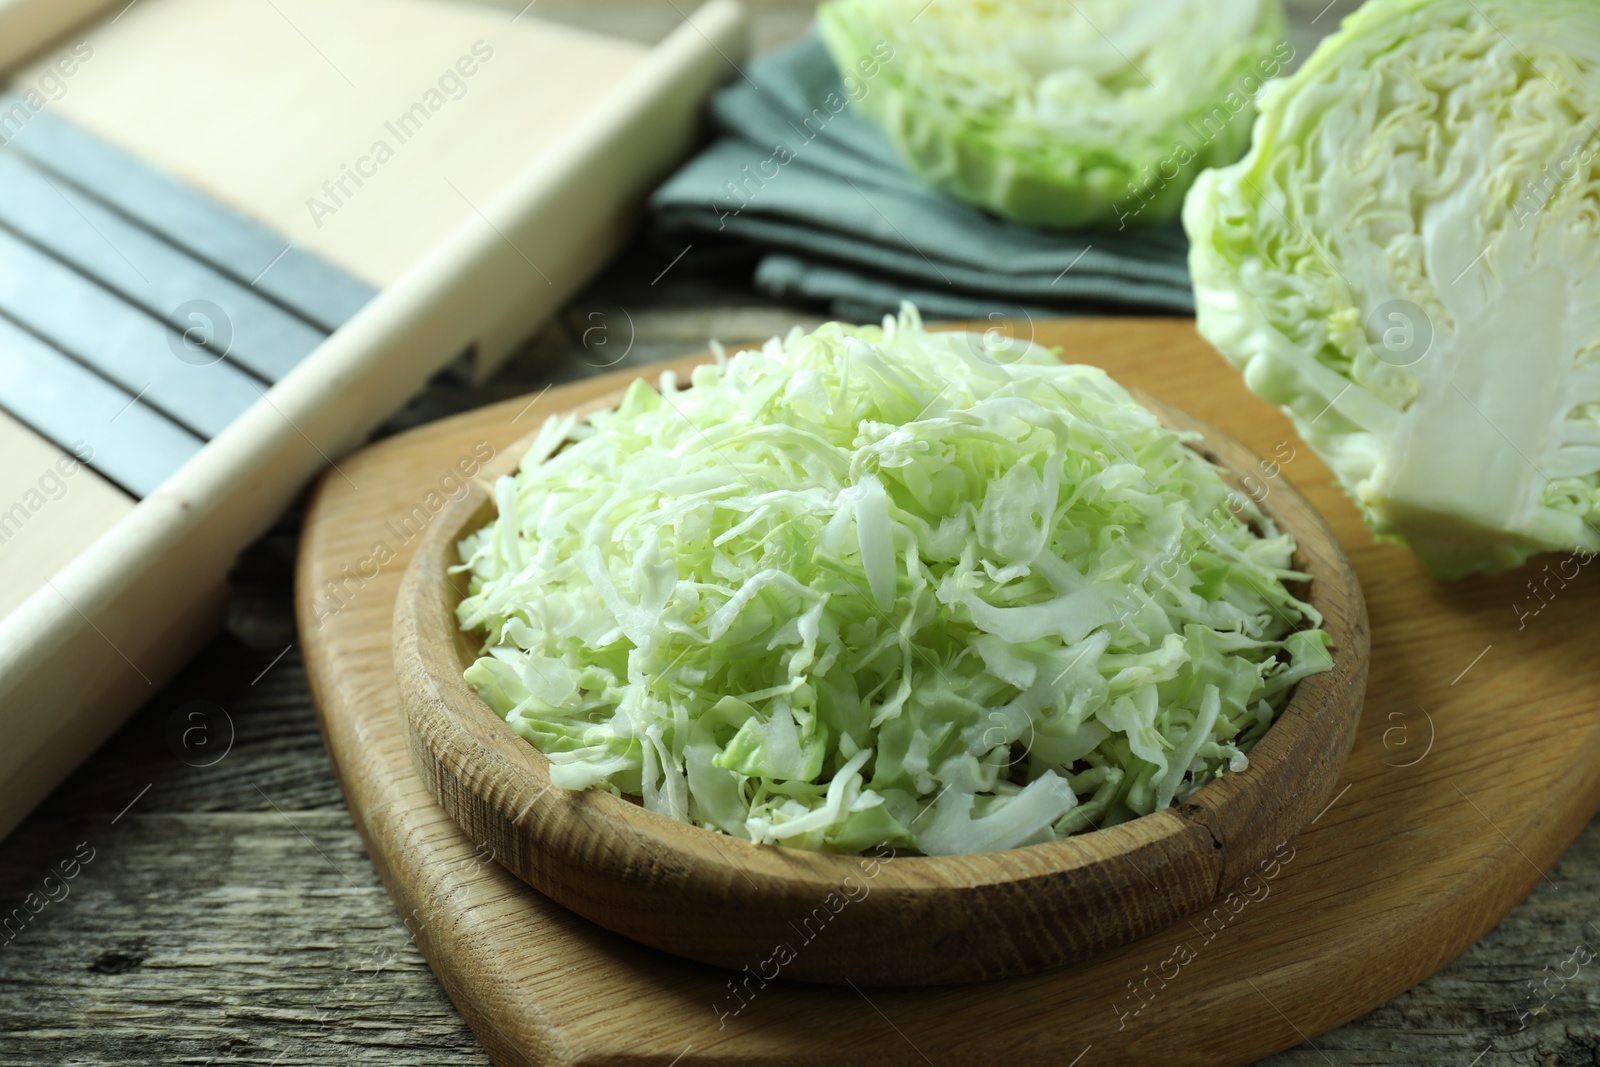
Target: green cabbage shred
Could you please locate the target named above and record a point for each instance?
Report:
(878, 586)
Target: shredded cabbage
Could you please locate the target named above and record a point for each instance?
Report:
(873, 586)
(1060, 114)
(1409, 262)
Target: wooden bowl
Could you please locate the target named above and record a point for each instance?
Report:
(771, 912)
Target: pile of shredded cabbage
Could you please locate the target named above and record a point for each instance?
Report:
(878, 586)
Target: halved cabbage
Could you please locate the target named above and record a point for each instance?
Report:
(1060, 113)
(1409, 261)
(881, 586)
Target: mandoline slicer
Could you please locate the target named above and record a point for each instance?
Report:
(235, 235)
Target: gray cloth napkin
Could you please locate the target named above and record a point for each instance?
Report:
(835, 216)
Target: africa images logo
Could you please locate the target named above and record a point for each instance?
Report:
(452, 85)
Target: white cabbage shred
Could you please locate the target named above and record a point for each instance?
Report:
(872, 586)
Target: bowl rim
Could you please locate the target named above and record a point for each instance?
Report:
(1220, 810)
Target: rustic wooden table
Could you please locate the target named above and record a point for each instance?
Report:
(208, 899)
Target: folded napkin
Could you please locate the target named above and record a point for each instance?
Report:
(822, 197)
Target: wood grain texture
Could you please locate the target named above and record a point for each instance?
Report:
(235, 916)
(265, 932)
(1446, 817)
(921, 920)
(432, 107)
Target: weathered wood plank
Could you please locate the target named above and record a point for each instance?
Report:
(260, 935)
(251, 937)
(231, 915)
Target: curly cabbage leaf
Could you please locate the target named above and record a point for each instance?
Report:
(1061, 114)
(1409, 262)
(878, 586)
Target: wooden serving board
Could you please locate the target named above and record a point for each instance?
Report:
(1476, 765)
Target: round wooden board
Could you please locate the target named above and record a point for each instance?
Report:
(1477, 763)
(920, 920)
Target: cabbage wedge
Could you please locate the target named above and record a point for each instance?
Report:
(1060, 113)
(1408, 261)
